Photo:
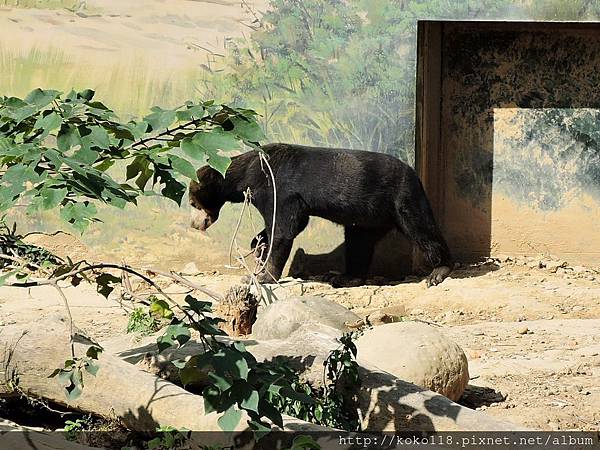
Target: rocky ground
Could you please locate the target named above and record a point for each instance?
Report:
(530, 329)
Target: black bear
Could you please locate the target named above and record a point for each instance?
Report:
(368, 193)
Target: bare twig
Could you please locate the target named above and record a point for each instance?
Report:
(45, 234)
(70, 317)
(92, 267)
(263, 160)
(247, 197)
(182, 280)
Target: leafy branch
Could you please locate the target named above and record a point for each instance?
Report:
(56, 151)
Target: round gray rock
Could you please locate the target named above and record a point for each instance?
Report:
(418, 353)
(282, 317)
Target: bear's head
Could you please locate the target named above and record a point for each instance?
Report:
(206, 198)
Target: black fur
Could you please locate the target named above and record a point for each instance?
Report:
(368, 193)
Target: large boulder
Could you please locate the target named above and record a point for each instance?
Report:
(417, 353)
(282, 317)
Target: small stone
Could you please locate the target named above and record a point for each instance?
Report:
(190, 269)
(379, 318)
(523, 330)
(554, 266)
(549, 317)
(478, 333)
(578, 308)
(579, 269)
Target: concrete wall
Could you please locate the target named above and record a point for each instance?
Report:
(509, 136)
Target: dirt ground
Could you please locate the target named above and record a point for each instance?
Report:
(531, 334)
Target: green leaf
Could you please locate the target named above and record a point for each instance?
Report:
(198, 306)
(231, 361)
(41, 98)
(260, 429)
(209, 326)
(92, 368)
(251, 401)
(93, 351)
(184, 167)
(52, 197)
(86, 94)
(219, 162)
(247, 130)
(192, 375)
(5, 276)
(79, 214)
(304, 442)
(160, 119)
(192, 149)
(230, 419)
(161, 308)
(5, 144)
(137, 129)
(105, 284)
(74, 391)
(184, 115)
(104, 165)
(212, 399)
(174, 334)
(140, 166)
(48, 123)
(219, 381)
(216, 139)
(293, 395)
(100, 138)
(67, 137)
(86, 155)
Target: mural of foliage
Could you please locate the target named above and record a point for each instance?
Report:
(551, 155)
(337, 73)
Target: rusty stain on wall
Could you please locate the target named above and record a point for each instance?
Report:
(520, 139)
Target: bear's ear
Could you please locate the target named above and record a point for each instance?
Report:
(206, 193)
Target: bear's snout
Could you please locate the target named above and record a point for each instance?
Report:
(200, 219)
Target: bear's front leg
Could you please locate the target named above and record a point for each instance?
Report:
(279, 255)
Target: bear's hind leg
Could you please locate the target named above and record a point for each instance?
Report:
(359, 246)
(417, 223)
